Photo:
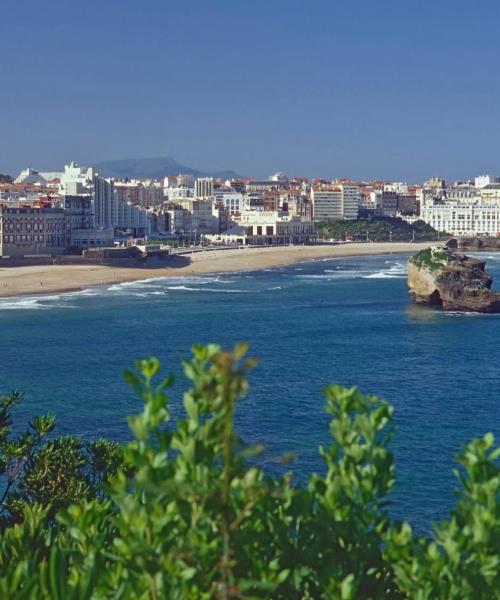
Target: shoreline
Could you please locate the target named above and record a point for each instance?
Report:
(39, 280)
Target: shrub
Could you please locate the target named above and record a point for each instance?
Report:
(189, 518)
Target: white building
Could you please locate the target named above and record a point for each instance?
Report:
(482, 181)
(76, 180)
(398, 187)
(203, 217)
(279, 176)
(338, 202)
(233, 202)
(110, 212)
(171, 194)
(29, 175)
(490, 194)
(327, 204)
(463, 219)
(267, 228)
(204, 187)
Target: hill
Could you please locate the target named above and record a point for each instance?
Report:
(154, 168)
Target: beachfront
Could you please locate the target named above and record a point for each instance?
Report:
(43, 279)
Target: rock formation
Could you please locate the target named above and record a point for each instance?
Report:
(442, 277)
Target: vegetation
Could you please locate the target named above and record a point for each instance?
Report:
(431, 258)
(187, 517)
(376, 230)
(5, 178)
(51, 473)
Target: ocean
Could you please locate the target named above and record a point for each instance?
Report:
(346, 321)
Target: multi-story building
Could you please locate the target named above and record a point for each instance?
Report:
(437, 183)
(204, 187)
(141, 193)
(110, 212)
(490, 194)
(463, 219)
(132, 219)
(171, 194)
(105, 203)
(33, 231)
(268, 228)
(335, 202)
(483, 180)
(233, 202)
(182, 180)
(78, 211)
(203, 218)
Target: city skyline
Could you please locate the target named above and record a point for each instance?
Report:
(355, 90)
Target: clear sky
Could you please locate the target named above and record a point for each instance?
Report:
(390, 89)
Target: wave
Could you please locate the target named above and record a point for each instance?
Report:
(396, 270)
(382, 275)
(331, 275)
(185, 288)
(451, 313)
(21, 303)
(38, 302)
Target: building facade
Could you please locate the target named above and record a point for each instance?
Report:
(463, 219)
(204, 187)
(33, 231)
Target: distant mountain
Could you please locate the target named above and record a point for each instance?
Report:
(152, 168)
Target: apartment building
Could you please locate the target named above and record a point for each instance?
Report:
(335, 202)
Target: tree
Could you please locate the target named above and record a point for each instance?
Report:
(52, 472)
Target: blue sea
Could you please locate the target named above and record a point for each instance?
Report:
(346, 321)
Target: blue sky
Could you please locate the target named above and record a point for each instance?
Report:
(365, 89)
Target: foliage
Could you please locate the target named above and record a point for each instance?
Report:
(189, 517)
(5, 178)
(432, 258)
(56, 472)
(376, 230)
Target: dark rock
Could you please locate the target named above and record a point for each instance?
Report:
(440, 276)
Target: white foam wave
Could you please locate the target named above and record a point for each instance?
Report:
(185, 288)
(37, 302)
(20, 304)
(381, 275)
(451, 313)
(330, 275)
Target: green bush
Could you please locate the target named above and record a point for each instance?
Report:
(380, 229)
(187, 516)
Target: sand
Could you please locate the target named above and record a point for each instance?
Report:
(20, 281)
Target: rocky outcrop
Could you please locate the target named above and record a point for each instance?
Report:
(477, 244)
(442, 277)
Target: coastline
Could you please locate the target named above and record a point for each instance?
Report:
(49, 279)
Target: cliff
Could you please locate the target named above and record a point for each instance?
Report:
(439, 276)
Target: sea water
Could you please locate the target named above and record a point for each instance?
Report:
(346, 321)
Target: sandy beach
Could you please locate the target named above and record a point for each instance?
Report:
(18, 281)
